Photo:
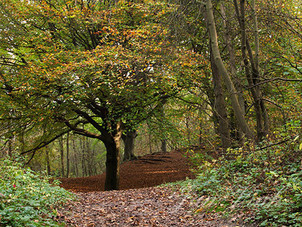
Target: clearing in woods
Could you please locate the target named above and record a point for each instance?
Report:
(149, 170)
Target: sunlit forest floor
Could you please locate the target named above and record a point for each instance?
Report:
(146, 171)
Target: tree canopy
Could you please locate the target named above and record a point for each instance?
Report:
(91, 68)
(101, 68)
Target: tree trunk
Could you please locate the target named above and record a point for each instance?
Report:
(220, 106)
(10, 147)
(233, 69)
(76, 159)
(163, 146)
(256, 66)
(112, 144)
(21, 140)
(252, 71)
(188, 131)
(89, 160)
(222, 71)
(255, 20)
(162, 122)
(61, 145)
(67, 155)
(149, 138)
(47, 161)
(83, 156)
(128, 140)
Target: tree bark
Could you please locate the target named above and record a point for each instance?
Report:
(76, 159)
(112, 144)
(10, 147)
(225, 75)
(149, 138)
(83, 156)
(67, 155)
(89, 160)
(163, 146)
(252, 71)
(128, 140)
(47, 161)
(256, 62)
(61, 145)
(223, 128)
(233, 69)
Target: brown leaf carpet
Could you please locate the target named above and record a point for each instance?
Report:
(137, 203)
(146, 171)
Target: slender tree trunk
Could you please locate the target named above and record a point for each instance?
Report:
(188, 131)
(256, 62)
(233, 69)
(149, 138)
(47, 160)
(76, 159)
(21, 140)
(255, 19)
(162, 122)
(61, 145)
(220, 107)
(83, 156)
(249, 75)
(222, 71)
(67, 155)
(252, 71)
(200, 127)
(128, 140)
(89, 160)
(10, 147)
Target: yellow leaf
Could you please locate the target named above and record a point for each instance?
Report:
(198, 210)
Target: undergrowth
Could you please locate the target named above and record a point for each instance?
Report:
(260, 185)
(27, 198)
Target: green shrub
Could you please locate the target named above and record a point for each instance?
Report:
(264, 183)
(26, 198)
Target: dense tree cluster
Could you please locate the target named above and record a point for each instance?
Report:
(173, 73)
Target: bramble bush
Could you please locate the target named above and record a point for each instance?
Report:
(27, 198)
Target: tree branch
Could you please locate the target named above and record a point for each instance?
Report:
(274, 79)
(91, 121)
(275, 144)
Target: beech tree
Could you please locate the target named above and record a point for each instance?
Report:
(91, 67)
(224, 73)
(246, 44)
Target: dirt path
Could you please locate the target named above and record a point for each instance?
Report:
(154, 206)
(138, 203)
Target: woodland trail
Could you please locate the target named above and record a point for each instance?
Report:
(138, 203)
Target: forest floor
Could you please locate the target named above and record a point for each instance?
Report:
(146, 171)
(138, 202)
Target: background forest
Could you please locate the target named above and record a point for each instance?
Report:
(86, 85)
